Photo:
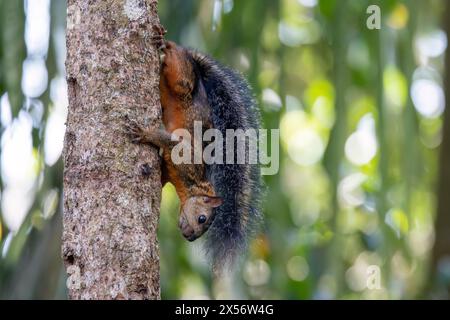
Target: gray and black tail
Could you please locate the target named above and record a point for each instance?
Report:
(240, 185)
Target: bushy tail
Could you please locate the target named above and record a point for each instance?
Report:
(240, 185)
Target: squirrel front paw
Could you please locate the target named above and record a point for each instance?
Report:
(139, 134)
(136, 132)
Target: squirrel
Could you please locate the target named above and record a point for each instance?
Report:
(223, 199)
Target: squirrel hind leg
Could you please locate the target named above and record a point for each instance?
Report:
(177, 70)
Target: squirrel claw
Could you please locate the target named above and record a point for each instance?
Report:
(159, 42)
(158, 28)
(134, 130)
(158, 39)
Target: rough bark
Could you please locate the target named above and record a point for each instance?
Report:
(441, 251)
(111, 187)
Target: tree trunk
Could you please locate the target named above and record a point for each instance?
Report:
(112, 187)
(441, 252)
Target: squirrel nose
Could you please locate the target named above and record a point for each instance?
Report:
(186, 230)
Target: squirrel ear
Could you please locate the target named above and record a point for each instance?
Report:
(214, 202)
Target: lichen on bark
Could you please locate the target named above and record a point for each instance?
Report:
(111, 209)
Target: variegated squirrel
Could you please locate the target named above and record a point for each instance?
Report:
(223, 199)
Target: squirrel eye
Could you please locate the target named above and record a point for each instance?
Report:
(202, 219)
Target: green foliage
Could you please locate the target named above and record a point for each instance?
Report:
(13, 51)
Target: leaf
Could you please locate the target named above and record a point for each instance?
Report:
(12, 21)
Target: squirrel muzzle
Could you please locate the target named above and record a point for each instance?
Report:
(196, 215)
(187, 231)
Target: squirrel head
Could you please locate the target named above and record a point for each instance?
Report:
(197, 215)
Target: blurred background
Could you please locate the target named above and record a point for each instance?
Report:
(351, 213)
